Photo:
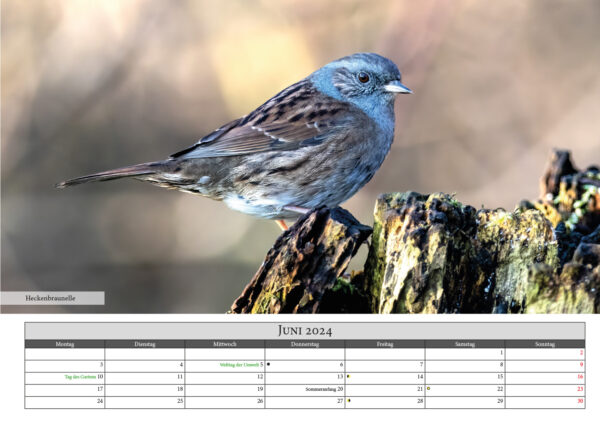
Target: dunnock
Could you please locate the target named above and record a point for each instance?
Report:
(315, 143)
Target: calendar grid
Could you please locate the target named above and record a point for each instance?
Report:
(154, 373)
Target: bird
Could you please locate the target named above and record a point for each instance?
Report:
(314, 144)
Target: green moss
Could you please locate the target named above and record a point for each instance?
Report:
(456, 203)
(343, 285)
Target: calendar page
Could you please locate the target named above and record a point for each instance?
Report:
(300, 212)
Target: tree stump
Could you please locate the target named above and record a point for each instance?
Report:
(301, 271)
(432, 254)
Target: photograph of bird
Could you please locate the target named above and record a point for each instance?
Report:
(316, 143)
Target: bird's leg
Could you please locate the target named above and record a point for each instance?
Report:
(296, 209)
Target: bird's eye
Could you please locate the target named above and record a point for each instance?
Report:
(363, 77)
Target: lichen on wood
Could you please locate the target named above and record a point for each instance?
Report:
(515, 241)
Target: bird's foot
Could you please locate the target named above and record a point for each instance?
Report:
(282, 224)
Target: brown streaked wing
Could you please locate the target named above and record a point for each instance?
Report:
(210, 137)
(298, 116)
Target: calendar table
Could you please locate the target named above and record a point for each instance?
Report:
(258, 365)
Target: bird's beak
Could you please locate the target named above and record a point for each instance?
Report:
(396, 87)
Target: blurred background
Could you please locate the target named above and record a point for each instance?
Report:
(88, 86)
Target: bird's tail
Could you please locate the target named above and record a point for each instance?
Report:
(129, 171)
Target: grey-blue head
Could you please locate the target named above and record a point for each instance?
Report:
(367, 80)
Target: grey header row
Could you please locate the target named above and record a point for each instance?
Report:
(305, 344)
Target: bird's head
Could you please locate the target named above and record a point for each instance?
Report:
(367, 80)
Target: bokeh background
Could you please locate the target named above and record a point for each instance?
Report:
(88, 86)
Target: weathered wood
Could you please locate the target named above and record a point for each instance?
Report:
(302, 272)
(574, 290)
(570, 196)
(432, 254)
(559, 165)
